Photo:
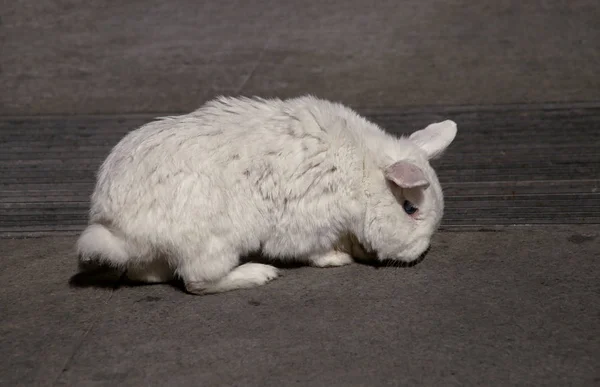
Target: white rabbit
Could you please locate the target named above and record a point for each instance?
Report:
(296, 179)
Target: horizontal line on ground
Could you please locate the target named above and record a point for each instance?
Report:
(553, 197)
(40, 232)
(546, 105)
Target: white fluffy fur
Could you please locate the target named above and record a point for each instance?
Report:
(290, 178)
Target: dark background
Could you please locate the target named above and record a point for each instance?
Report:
(509, 293)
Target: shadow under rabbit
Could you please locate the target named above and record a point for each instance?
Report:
(99, 275)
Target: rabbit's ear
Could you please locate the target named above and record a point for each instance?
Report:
(406, 175)
(435, 138)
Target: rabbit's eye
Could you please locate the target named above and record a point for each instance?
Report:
(409, 208)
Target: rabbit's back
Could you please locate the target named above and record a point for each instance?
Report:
(256, 172)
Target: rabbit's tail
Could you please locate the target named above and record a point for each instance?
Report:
(98, 244)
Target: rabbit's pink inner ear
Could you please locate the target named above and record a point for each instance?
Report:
(406, 175)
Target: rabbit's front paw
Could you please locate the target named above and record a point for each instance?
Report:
(248, 275)
(331, 259)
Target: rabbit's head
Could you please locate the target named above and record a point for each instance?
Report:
(405, 201)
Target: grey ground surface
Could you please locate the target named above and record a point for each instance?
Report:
(509, 294)
(104, 56)
(532, 164)
(491, 308)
